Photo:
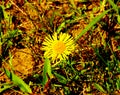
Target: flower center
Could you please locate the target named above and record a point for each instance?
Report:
(59, 47)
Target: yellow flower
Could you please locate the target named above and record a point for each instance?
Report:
(58, 47)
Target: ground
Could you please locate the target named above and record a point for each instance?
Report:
(92, 69)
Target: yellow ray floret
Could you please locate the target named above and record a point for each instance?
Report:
(58, 47)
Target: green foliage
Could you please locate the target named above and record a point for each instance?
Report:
(6, 15)
(5, 86)
(69, 21)
(91, 24)
(99, 87)
(7, 39)
(60, 78)
(18, 81)
(61, 26)
(115, 7)
(47, 72)
(79, 73)
(118, 84)
(108, 87)
(118, 47)
(118, 19)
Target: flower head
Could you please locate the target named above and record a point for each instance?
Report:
(58, 47)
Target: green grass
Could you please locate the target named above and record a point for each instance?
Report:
(94, 67)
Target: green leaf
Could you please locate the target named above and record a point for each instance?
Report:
(108, 87)
(99, 87)
(46, 71)
(118, 47)
(92, 23)
(115, 7)
(5, 86)
(118, 19)
(83, 71)
(6, 15)
(118, 84)
(18, 81)
(62, 25)
(60, 78)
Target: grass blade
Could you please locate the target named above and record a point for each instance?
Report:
(5, 86)
(60, 78)
(115, 7)
(46, 71)
(62, 25)
(18, 81)
(92, 23)
(99, 87)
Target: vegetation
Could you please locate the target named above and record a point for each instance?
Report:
(60, 47)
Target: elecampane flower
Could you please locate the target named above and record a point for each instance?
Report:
(58, 46)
